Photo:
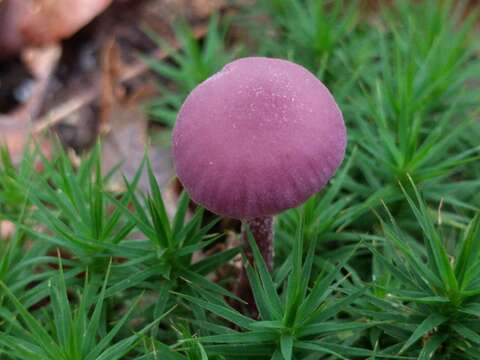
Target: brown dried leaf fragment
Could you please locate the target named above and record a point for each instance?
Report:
(124, 125)
(42, 22)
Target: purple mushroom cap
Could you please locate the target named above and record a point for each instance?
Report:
(259, 137)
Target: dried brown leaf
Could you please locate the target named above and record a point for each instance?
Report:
(7, 228)
(124, 125)
(40, 22)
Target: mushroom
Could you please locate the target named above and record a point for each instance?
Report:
(257, 138)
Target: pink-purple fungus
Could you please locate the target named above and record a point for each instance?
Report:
(257, 138)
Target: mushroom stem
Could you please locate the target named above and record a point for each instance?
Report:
(262, 231)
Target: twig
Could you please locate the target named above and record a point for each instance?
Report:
(63, 110)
